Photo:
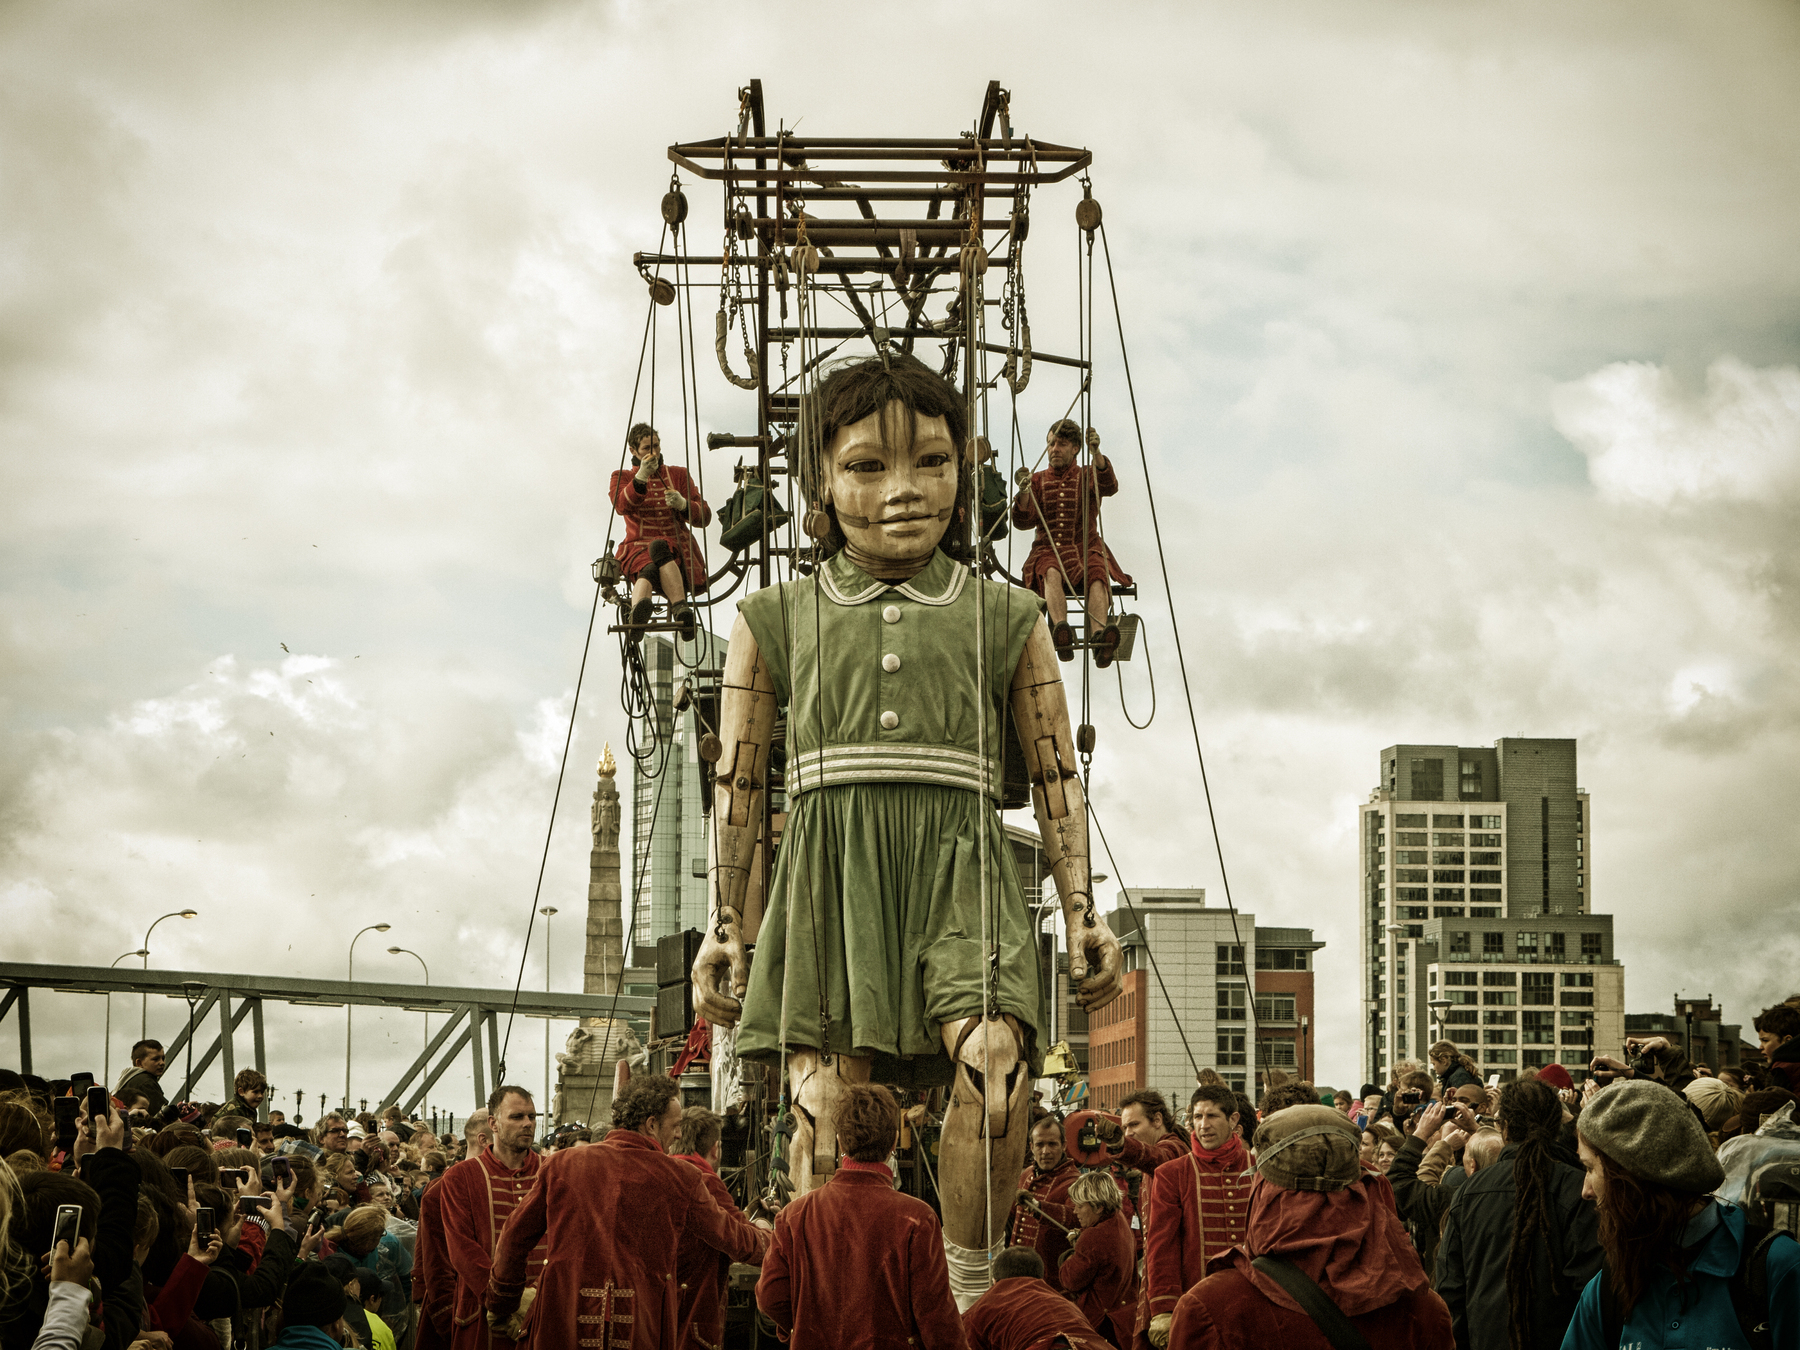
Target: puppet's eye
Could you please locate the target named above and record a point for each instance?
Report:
(933, 461)
(864, 466)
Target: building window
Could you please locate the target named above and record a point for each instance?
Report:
(1231, 1049)
(1428, 780)
(1230, 960)
(1485, 875)
(1500, 979)
(1406, 857)
(1503, 998)
(1578, 998)
(1445, 875)
(1539, 987)
(1485, 823)
(1524, 941)
(1461, 1017)
(1482, 840)
(1590, 944)
(1585, 1037)
(1493, 944)
(1406, 895)
(1447, 858)
(1447, 912)
(1484, 897)
(1499, 1019)
(1537, 1059)
(1471, 780)
(1499, 1038)
(1460, 995)
(1231, 1003)
(1556, 944)
(1415, 912)
(1278, 1054)
(1577, 980)
(1460, 977)
(1402, 821)
(1484, 860)
(1275, 1008)
(1538, 1028)
(1411, 874)
(1466, 1036)
(1459, 942)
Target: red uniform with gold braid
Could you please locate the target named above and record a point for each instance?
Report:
(701, 1273)
(433, 1277)
(479, 1196)
(1064, 507)
(648, 518)
(613, 1215)
(1101, 1276)
(1051, 1191)
(1202, 1208)
(1026, 1314)
(1147, 1158)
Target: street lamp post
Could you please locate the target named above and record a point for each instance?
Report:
(1305, 1074)
(425, 1042)
(1687, 1012)
(350, 1007)
(106, 1050)
(1393, 992)
(549, 1107)
(144, 1009)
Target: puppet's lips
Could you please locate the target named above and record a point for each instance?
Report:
(901, 520)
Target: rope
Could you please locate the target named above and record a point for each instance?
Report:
(544, 861)
(1174, 624)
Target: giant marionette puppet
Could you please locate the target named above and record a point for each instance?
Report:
(896, 942)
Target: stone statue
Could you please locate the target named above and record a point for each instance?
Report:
(896, 945)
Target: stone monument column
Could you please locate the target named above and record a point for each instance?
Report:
(586, 1065)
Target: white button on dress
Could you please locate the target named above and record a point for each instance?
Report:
(891, 614)
(890, 720)
(890, 663)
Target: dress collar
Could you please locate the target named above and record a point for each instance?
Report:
(849, 1167)
(938, 584)
(697, 1160)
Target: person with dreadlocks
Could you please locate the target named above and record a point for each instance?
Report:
(1682, 1267)
(896, 940)
(1519, 1242)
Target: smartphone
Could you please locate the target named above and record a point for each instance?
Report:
(254, 1204)
(181, 1181)
(283, 1169)
(317, 1222)
(245, 1138)
(1410, 1097)
(68, 1226)
(99, 1104)
(78, 1079)
(66, 1109)
(203, 1224)
(230, 1176)
(1493, 1080)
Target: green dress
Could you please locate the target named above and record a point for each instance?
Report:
(873, 927)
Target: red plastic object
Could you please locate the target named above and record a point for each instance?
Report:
(1073, 1124)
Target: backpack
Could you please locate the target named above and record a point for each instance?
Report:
(1772, 1196)
(1749, 1287)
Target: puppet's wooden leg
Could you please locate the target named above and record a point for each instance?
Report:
(983, 1147)
(815, 1083)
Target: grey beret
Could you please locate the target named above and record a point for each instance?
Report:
(1652, 1133)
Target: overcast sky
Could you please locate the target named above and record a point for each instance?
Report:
(1465, 340)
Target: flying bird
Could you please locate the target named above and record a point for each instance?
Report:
(284, 648)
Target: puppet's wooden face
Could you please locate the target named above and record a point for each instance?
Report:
(893, 498)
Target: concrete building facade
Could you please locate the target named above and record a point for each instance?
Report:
(1458, 839)
(1218, 994)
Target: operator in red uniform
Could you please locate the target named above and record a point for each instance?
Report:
(479, 1195)
(1062, 503)
(1201, 1206)
(659, 503)
(1101, 1273)
(701, 1273)
(1046, 1183)
(1021, 1312)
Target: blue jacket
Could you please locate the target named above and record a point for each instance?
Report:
(1702, 1320)
(305, 1338)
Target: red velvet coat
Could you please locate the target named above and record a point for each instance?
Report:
(1064, 507)
(479, 1196)
(647, 518)
(1026, 1314)
(1146, 1158)
(855, 1265)
(1101, 1276)
(1202, 1208)
(703, 1274)
(434, 1278)
(1051, 1191)
(1227, 1312)
(612, 1215)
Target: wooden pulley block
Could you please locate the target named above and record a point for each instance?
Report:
(1087, 214)
(974, 260)
(710, 749)
(1084, 738)
(806, 259)
(662, 291)
(817, 524)
(674, 207)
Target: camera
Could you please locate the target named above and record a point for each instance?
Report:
(1411, 1098)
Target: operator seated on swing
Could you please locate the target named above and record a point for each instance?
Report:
(1062, 503)
(659, 503)
(877, 958)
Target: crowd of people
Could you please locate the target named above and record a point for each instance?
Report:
(1436, 1210)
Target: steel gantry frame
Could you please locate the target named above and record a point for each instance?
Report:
(471, 1012)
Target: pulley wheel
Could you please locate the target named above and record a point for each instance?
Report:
(806, 259)
(974, 260)
(674, 207)
(1087, 214)
(1084, 738)
(662, 291)
(710, 749)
